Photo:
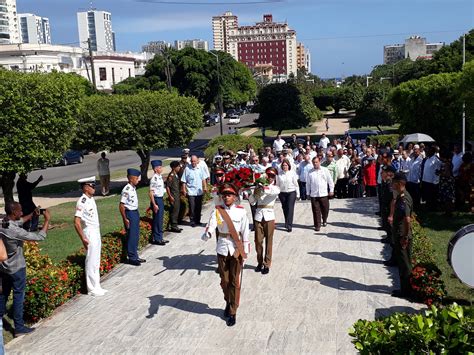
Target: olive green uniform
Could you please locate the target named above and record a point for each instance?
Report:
(173, 183)
(403, 208)
(386, 197)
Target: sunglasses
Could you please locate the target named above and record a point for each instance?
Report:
(227, 194)
(271, 175)
(219, 175)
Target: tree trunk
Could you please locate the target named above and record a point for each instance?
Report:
(279, 132)
(145, 158)
(8, 183)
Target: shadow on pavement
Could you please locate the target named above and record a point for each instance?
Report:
(351, 225)
(199, 262)
(338, 256)
(158, 301)
(346, 236)
(384, 312)
(341, 283)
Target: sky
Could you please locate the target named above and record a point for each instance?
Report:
(344, 37)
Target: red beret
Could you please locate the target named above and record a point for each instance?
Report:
(271, 171)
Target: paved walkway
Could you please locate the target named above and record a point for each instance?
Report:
(319, 285)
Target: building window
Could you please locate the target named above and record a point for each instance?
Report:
(113, 76)
(102, 74)
(129, 72)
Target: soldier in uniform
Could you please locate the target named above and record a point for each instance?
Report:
(174, 196)
(219, 176)
(227, 162)
(87, 215)
(232, 249)
(264, 197)
(386, 199)
(157, 190)
(128, 208)
(401, 232)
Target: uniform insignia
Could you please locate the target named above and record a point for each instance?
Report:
(125, 194)
(218, 217)
(83, 200)
(240, 206)
(127, 188)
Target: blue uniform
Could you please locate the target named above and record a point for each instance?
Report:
(130, 200)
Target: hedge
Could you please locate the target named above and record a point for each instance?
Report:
(449, 330)
(49, 285)
(232, 142)
(381, 139)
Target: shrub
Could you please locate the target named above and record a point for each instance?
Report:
(381, 139)
(233, 142)
(449, 330)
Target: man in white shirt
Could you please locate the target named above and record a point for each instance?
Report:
(278, 144)
(343, 164)
(304, 167)
(456, 160)
(414, 176)
(318, 181)
(324, 141)
(430, 179)
(104, 173)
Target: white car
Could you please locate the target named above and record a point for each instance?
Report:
(234, 120)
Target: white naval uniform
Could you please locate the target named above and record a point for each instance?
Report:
(265, 203)
(225, 243)
(86, 210)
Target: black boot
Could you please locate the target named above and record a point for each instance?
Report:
(227, 310)
(231, 321)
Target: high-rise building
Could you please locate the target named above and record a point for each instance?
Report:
(96, 25)
(308, 60)
(265, 43)
(221, 26)
(193, 43)
(155, 46)
(415, 47)
(34, 29)
(9, 32)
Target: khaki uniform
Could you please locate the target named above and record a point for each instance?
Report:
(229, 265)
(264, 222)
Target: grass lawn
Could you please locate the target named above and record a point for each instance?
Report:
(386, 129)
(62, 240)
(440, 228)
(57, 189)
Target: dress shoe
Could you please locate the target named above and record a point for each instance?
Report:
(193, 224)
(96, 293)
(175, 230)
(289, 229)
(227, 310)
(265, 270)
(325, 224)
(158, 242)
(317, 229)
(231, 321)
(134, 262)
(390, 262)
(141, 260)
(259, 268)
(23, 330)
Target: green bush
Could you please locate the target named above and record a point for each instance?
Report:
(381, 139)
(233, 142)
(449, 330)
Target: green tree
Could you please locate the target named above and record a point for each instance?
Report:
(38, 113)
(466, 92)
(283, 106)
(348, 97)
(374, 110)
(429, 105)
(449, 58)
(141, 122)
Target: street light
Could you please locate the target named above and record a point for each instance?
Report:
(219, 96)
(367, 80)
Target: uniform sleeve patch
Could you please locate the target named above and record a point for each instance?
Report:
(127, 188)
(83, 200)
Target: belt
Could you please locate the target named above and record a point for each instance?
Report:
(265, 206)
(224, 235)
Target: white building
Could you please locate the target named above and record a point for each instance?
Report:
(193, 43)
(109, 68)
(221, 26)
(9, 32)
(415, 47)
(155, 46)
(308, 60)
(34, 29)
(96, 25)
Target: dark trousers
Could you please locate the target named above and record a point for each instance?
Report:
(288, 200)
(370, 191)
(340, 190)
(195, 207)
(253, 209)
(264, 231)
(229, 270)
(302, 186)
(174, 211)
(403, 258)
(379, 195)
(320, 207)
(355, 190)
(133, 234)
(157, 234)
(17, 283)
(429, 192)
(413, 189)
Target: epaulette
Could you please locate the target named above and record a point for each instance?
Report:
(127, 188)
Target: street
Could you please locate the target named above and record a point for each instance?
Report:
(125, 159)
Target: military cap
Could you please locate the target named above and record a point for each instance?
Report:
(218, 157)
(186, 150)
(400, 177)
(389, 169)
(174, 164)
(155, 163)
(133, 172)
(88, 181)
(396, 152)
(271, 171)
(228, 189)
(219, 170)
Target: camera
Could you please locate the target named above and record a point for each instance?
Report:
(5, 223)
(41, 210)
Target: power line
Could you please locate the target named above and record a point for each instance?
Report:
(210, 3)
(378, 35)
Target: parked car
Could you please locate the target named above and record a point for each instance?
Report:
(361, 135)
(209, 120)
(71, 157)
(234, 120)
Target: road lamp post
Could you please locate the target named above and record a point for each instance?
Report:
(219, 94)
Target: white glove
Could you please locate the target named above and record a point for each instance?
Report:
(206, 236)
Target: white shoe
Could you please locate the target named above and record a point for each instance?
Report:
(96, 293)
(103, 290)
